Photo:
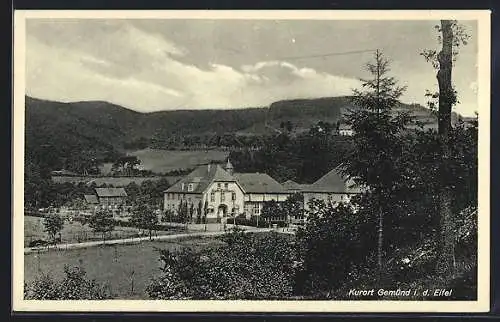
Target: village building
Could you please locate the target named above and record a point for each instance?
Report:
(221, 193)
(345, 130)
(332, 188)
(107, 197)
(91, 200)
(259, 188)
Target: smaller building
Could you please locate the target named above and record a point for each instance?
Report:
(111, 196)
(259, 188)
(345, 130)
(91, 200)
(331, 188)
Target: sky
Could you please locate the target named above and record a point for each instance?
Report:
(152, 65)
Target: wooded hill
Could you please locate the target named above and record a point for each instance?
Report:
(102, 126)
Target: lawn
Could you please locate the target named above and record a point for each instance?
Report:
(161, 161)
(116, 266)
(76, 232)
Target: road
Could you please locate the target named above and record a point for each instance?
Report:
(136, 240)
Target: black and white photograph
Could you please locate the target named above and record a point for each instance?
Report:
(251, 161)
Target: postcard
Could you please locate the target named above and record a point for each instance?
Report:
(251, 161)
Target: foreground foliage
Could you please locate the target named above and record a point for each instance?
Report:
(74, 286)
(247, 266)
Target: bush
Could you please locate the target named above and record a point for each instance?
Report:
(248, 266)
(74, 286)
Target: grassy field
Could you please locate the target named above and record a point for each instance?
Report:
(75, 232)
(167, 160)
(118, 267)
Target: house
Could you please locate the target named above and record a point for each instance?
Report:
(221, 193)
(111, 196)
(257, 189)
(91, 200)
(331, 188)
(345, 130)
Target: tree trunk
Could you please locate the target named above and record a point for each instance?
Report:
(445, 265)
(380, 242)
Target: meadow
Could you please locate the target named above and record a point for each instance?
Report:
(74, 232)
(161, 161)
(124, 269)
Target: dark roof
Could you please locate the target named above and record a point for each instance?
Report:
(110, 192)
(259, 183)
(91, 199)
(291, 185)
(332, 182)
(201, 178)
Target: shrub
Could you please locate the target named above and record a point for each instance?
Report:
(247, 266)
(74, 286)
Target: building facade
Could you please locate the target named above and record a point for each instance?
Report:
(111, 197)
(220, 193)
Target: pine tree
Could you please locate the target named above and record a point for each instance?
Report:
(373, 160)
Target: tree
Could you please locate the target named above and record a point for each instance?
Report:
(293, 207)
(191, 211)
(245, 266)
(53, 224)
(74, 286)
(271, 211)
(334, 249)
(199, 212)
(102, 222)
(452, 36)
(143, 216)
(377, 140)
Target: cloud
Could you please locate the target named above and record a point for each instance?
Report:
(155, 65)
(140, 70)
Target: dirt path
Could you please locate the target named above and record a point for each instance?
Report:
(135, 240)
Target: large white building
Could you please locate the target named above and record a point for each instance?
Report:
(221, 193)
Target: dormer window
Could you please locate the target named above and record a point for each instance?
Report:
(190, 187)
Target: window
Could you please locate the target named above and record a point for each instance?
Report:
(222, 196)
(190, 187)
(226, 185)
(256, 209)
(233, 196)
(218, 186)
(212, 196)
